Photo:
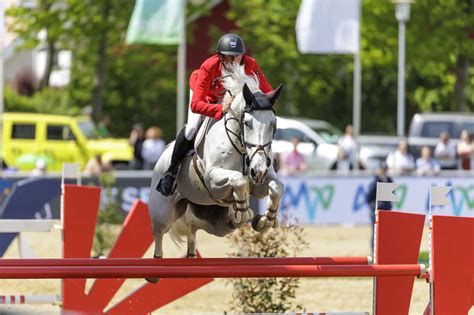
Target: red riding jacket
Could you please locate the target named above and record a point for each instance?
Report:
(207, 88)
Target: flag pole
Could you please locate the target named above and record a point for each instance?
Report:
(430, 253)
(374, 254)
(356, 108)
(181, 93)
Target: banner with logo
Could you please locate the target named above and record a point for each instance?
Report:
(342, 200)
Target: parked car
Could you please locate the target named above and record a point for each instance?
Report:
(425, 129)
(28, 137)
(374, 149)
(320, 154)
(325, 130)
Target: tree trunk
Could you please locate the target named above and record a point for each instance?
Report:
(99, 84)
(50, 55)
(462, 77)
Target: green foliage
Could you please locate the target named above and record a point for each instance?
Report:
(108, 218)
(272, 295)
(423, 257)
(48, 100)
(320, 86)
(141, 80)
(47, 15)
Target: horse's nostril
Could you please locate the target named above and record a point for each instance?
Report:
(252, 172)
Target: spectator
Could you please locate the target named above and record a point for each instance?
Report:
(445, 152)
(425, 165)
(465, 150)
(152, 148)
(348, 149)
(87, 111)
(96, 166)
(294, 161)
(380, 177)
(136, 139)
(104, 126)
(400, 161)
(40, 168)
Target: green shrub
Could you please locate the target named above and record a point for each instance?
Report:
(46, 101)
(266, 295)
(108, 218)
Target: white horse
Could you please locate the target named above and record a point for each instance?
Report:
(233, 161)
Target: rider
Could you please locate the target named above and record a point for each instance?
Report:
(206, 94)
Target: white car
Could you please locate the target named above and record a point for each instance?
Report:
(319, 153)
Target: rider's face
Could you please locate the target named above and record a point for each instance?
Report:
(228, 60)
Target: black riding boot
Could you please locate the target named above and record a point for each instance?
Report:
(181, 147)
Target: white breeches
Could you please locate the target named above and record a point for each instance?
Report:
(194, 120)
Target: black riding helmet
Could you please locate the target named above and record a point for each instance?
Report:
(230, 45)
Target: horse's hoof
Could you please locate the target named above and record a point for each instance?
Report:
(255, 221)
(152, 280)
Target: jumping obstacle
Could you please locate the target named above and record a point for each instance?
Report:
(398, 238)
(218, 271)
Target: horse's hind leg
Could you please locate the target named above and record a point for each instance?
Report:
(158, 253)
(192, 244)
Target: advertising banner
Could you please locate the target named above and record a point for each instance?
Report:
(310, 199)
(342, 200)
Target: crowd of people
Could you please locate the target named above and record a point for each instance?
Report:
(446, 155)
(147, 146)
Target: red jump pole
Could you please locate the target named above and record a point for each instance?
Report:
(264, 261)
(209, 271)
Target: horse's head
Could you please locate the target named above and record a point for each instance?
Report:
(258, 126)
(254, 112)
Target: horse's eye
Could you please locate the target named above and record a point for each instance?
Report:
(248, 123)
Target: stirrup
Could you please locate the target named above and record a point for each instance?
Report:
(159, 186)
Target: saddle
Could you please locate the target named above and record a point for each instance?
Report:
(197, 162)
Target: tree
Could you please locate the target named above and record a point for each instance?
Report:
(320, 86)
(138, 83)
(48, 17)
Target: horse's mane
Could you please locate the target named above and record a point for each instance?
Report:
(234, 78)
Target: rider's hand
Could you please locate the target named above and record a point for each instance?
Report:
(226, 105)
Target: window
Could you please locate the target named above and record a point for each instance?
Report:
(23, 131)
(59, 132)
(432, 129)
(469, 126)
(290, 133)
(331, 135)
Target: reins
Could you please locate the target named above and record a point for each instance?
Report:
(241, 139)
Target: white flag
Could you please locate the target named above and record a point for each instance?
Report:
(438, 195)
(328, 26)
(385, 192)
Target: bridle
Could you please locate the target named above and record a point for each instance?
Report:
(243, 145)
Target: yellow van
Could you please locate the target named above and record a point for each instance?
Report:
(28, 137)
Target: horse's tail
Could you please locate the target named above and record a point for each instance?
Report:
(176, 233)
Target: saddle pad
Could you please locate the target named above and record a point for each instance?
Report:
(202, 131)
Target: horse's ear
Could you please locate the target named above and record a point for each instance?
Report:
(248, 95)
(275, 94)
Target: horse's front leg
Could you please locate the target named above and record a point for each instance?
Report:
(222, 183)
(269, 220)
